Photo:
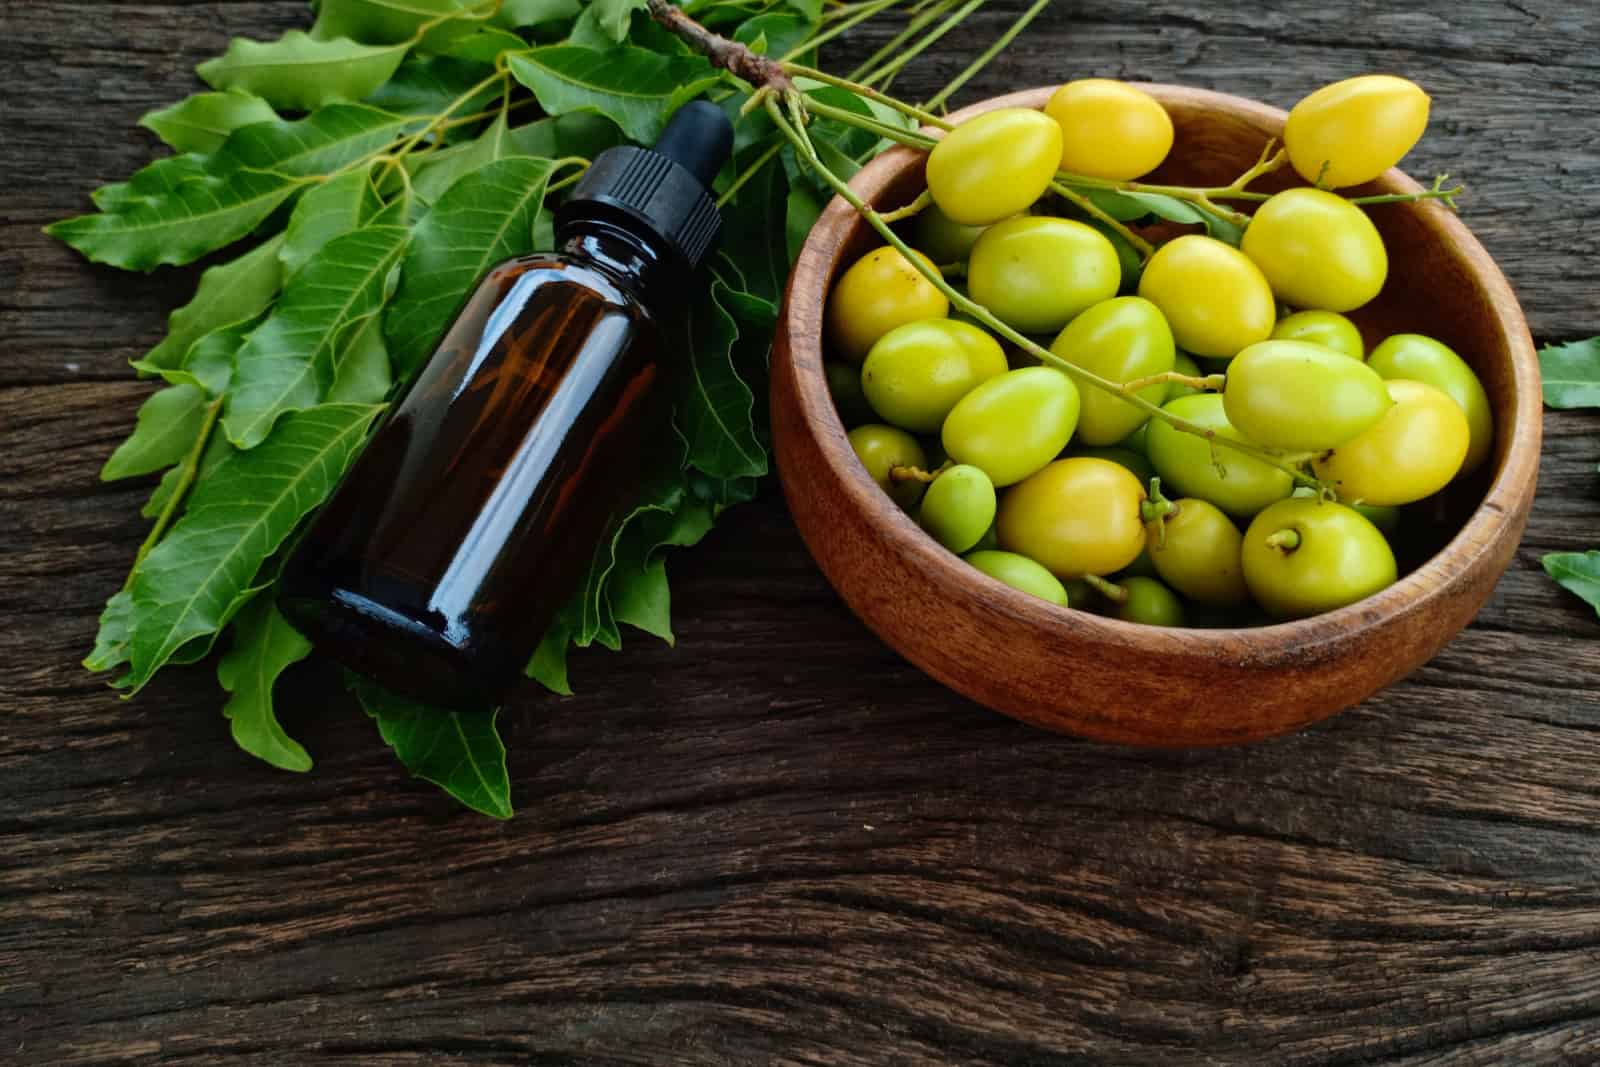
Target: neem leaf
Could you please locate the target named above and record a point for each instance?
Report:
(714, 411)
(228, 293)
(802, 209)
(486, 217)
(517, 13)
(298, 73)
(436, 176)
(200, 216)
(1571, 374)
(751, 221)
(210, 360)
(426, 85)
(331, 210)
(290, 360)
(203, 121)
(193, 581)
(635, 88)
(460, 752)
(548, 666)
(168, 423)
(111, 642)
(777, 32)
(379, 21)
(319, 144)
(1577, 572)
(638, 590)
(217, 450)
(557, 137)
(363, 374)
(615, 15)
(264, 644)
(485, 45)
(154, 180)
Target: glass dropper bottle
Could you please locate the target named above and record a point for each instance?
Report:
(470, 518)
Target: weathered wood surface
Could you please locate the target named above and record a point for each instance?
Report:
(777, 843)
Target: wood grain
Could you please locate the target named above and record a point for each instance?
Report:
(779, 843)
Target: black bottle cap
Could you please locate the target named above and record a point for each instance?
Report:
(665, 189)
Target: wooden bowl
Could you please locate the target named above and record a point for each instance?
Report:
(1072, 671)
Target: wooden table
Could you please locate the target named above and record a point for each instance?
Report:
(777, 843)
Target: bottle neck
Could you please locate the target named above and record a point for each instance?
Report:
(639, 266)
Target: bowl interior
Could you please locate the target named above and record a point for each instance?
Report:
(1441, 282)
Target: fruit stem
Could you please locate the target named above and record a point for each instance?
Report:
(1285, 540)
(909, 473)
(1110, 590)
(795, 132)
(1209, 382)
(1437, 192)
(870, 124)
(923, 199)
(1094, 210)
(1157, 509)
(927, 118)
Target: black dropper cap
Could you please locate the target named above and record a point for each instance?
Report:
(665, 189)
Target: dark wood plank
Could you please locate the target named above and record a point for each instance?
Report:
(777, 843)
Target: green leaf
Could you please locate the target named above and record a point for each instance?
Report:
(331, 210)
(548, 666)
(200, 216)
(290, 361)
(203, 122)
(1571, 374)
(484, 218)
(426, 85)
(460, 752)
(264, 645)
(779, 32)
(590, 612)
(750, 222)
(167, 425)
(363, 374)
(1578, 573)
(153, 181)
(380, 21)
(111, 642)
(803, 208)
(561, 136)
(484, 45)
(714, 411)
(615, 15)
(638, 590)
(297, 73)
(217, 450)
(811, 9)
(229, 293)
(517, 13)
(438, 175)
(200, 574)
(210, 360)
(320, 144)
(643, 600)
(634, 88)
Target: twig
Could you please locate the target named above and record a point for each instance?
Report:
(731, 56)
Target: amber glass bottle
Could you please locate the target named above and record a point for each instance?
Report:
(471, 516)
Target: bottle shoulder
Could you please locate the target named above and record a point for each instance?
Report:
(542, 269)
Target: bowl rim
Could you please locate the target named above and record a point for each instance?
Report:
(1502, 508)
